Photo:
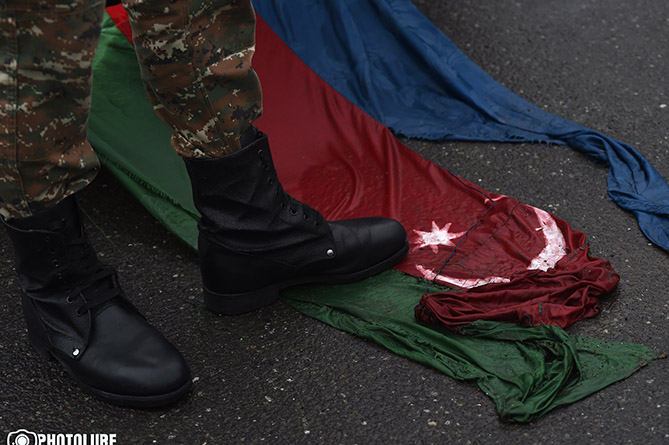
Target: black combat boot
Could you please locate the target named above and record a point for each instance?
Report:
(77, 313)
(255, 239)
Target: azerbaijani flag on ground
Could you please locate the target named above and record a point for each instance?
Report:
(488, 283)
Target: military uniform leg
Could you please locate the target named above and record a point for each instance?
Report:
(46, 50)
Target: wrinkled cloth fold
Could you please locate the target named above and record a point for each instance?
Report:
(526, 371)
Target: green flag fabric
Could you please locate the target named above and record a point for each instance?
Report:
(527, 371)
(132, 142)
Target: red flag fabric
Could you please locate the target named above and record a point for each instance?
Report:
(505, 260)
(120, 18)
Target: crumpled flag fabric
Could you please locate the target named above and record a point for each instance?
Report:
(336, 157)
(527, 371)
(392, 62)
(519, 263)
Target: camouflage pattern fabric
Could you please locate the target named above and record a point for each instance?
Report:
(195, 57)
(46, 50)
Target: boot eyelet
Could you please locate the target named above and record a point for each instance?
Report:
(317, 224)
(260, 152)
(293, 212)
(79, 314)
(69, 300)
(55, 263)
(270, 181)
(52, 250)
(330, 253)
(306, 217)
(265, 167)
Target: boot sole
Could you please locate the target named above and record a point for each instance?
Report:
(124, 400)
(236, 304)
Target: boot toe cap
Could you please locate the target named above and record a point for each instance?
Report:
(390, 234)
(129, 362)
(364, 243)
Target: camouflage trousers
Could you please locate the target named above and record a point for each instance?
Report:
(195, 58)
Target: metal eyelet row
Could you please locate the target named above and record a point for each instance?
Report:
(70, 300)
(47, 240)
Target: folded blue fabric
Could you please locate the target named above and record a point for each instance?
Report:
(386, 57)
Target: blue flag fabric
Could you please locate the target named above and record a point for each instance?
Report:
(392, 62)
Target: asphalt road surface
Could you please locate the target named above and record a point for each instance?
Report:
(276, 376)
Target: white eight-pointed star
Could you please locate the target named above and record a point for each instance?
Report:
(436, 237)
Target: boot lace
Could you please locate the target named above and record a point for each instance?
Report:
(100, 284)
(294, 206)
